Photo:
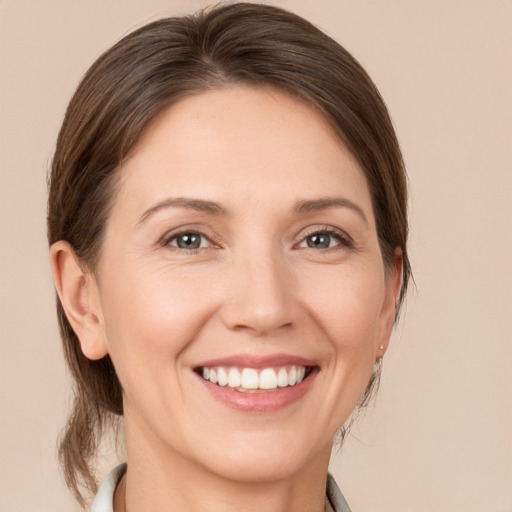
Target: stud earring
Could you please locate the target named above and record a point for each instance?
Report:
(381, 347)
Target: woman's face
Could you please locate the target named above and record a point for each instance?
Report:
(241, 256)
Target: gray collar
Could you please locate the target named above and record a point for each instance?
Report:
(337, 500)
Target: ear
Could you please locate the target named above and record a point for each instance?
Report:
(78, 294)
(393, 283)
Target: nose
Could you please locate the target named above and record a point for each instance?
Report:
(260, 298)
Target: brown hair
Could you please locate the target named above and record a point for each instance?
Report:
(240, 43)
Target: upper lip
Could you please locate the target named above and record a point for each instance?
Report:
(252, 361)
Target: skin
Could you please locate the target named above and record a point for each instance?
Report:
(254, 287)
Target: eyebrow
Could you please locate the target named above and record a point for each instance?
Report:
(300, 207)
(313, 205)
(199, 205)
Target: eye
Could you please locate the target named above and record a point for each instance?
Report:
(324, 239)
(189, 240)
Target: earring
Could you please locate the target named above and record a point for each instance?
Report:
(381, 347)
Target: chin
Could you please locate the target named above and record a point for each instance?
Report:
(260, 470)
(265, 458)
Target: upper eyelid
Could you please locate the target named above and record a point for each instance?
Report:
(331, 230)
(177, 235)
(170, 235)
(216, 240)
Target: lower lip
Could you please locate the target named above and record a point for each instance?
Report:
(262, 401)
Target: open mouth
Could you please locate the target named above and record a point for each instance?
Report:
(252, 380)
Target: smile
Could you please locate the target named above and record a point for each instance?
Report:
(251, 380)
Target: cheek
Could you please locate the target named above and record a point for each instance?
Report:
(150, 317)
(347, 303)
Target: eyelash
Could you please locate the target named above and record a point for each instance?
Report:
(341, 237)
(174, 236)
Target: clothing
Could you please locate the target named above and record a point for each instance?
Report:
(105, 498)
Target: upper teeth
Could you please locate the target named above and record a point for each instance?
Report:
(252, 379)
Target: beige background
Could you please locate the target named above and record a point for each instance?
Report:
(440, 436)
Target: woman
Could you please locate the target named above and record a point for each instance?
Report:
(227, 221)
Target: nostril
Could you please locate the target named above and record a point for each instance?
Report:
(261, 328)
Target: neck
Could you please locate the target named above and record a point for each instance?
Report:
(160, 481)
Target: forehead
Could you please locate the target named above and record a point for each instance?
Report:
(241, 143)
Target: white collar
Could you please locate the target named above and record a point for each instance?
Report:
(104, 500)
